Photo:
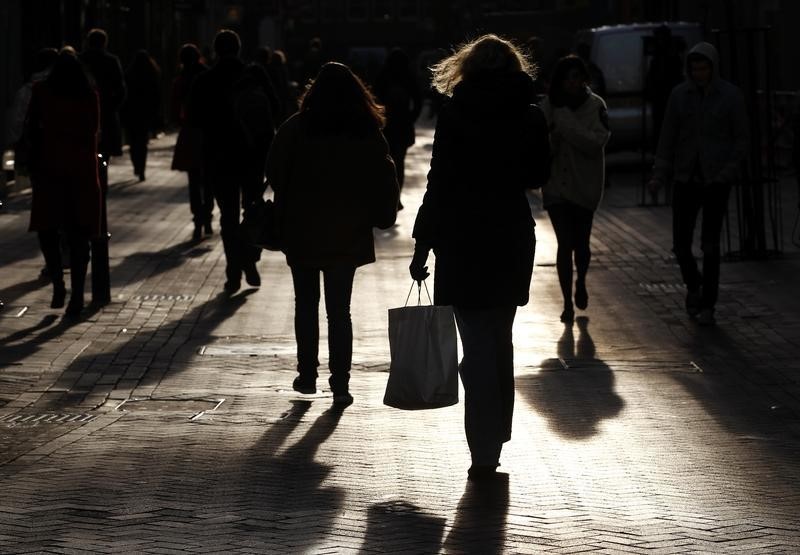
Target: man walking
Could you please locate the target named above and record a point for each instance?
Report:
(703, 143)
(106, 73)
(226, 152)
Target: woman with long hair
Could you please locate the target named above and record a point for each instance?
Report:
(334, 180)
(62, 124)
(490, 146)
(578, 122)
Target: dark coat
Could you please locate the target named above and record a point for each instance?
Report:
(212, 110)
(490, 146)
(188, 154)
(402, 100)
(106, 72)
(331, 191)
(63, 164)
(142, 107)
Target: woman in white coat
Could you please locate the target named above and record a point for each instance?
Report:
(578, 122)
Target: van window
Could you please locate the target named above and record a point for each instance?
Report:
(619, 56)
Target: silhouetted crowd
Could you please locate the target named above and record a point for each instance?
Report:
(333, 153)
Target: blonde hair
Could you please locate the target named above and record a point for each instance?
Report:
(486, 53)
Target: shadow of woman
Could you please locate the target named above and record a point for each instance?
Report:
(481, 515)
(391, 524)
(575, 391)
(284, 483)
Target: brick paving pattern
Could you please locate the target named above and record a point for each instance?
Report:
(165, 422)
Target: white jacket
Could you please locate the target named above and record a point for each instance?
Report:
(578, 139)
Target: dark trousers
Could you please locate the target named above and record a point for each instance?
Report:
(101, 272)
(338, 284)
(78, 240)
(573, 227)
(138, 138)
(487, 372)
(230, 191)
(687, 201)
(201, 197)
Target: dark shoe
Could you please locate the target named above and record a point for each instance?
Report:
(307, 386)
(568, 316)
(207, 228)
(693, 297)
(74, 308)
(581, 295)
(482, 473)
(251, 275)
(59, 296)
(232, 287)
(706, 317)
(197, 234)
(343, 398)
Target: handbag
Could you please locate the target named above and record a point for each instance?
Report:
(261, 226)
(424, 357)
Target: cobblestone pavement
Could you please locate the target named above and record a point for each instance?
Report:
(165, 422)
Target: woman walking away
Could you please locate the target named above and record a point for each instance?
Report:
(578, 122)
(397, 90)
(62, 127)
(334, 181)
(188, 155)
(141, 110)
(490, 146)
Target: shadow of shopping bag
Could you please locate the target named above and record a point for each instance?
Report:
(424, 369)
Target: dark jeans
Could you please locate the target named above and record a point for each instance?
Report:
(78, 240)
(573, 227)
(338, 290)
(687, 201)
(238, 253)
(201, 197)
(487, 372)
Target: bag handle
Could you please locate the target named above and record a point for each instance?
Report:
(419, 292)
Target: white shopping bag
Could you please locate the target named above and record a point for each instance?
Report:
(424, 369)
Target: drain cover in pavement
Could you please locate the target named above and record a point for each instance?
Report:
(250, 349)
(45, 418)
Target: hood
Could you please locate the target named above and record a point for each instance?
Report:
(709, 51)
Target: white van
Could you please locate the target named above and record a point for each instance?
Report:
(618, 50)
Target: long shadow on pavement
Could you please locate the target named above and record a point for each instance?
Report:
(399, 521)
(574, 391)
(480, 523)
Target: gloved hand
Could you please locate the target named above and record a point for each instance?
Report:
(417, 268)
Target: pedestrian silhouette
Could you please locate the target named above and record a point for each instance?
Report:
(312, 61)
(704, 139)
(227, 155)
(61, 134)
(578, 122)
(106, 73)
(490, 146)
(334, 181)
(664, 73)
(142, 108)
(285, 88)
(396, 88)
(188, 154)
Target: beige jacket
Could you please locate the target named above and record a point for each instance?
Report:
(577, 139)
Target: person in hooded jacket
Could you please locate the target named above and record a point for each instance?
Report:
(578, 122)
(489, 147)
(703, 143)
(334, 180)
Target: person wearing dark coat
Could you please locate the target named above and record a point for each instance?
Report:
(62, 124)
(188, 154)
(225, 155)
(141, 110)
(489, 147)
(105, 71)
(334, 180)
(397, 89)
